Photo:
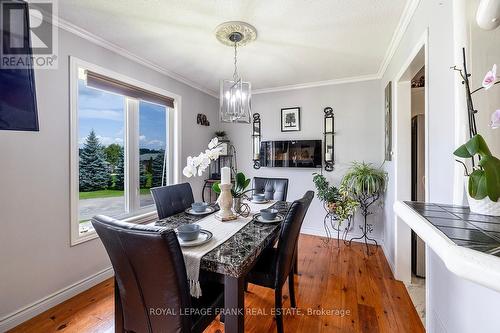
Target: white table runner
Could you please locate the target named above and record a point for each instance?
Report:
(221, 232)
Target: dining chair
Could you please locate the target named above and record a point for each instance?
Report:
(276, 264)
(272, 188)
(172, 199)
(275, 189)
(151, 285)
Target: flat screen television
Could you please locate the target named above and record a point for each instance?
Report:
(291, 154)
(18, 108)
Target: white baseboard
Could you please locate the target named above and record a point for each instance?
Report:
(17, 317)
(389, 259)
(321, 232)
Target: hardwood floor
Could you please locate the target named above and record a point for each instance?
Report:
(337, 291)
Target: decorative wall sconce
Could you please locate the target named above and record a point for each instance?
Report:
(256, 138)
(328, 139)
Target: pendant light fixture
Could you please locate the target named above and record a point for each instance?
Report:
(235, 94)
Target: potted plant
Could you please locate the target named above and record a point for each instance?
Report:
(221, 135)
(327, 194)
(366, 184)
(483, 183)
(238, 191)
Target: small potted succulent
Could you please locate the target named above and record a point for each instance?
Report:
(483, 181)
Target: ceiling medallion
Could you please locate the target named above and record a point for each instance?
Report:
(235, 31)
(235, 94)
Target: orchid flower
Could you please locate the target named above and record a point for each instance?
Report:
(495, 119)
(197, 165)
(490, 78)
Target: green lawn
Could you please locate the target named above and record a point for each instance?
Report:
(107, 194)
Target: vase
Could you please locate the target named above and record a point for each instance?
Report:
(237, 205)
(484, 206)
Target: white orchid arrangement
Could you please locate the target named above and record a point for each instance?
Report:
(195, 166)
(484, 180)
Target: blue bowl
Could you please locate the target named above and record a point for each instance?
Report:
(188, 232)
(269, 214)
(199, 207)
(259, 197)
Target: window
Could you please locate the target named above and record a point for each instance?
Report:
(121, 135)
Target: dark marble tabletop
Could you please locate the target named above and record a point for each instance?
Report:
(464, 228)
(235, 256)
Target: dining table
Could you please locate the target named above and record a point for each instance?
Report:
(232, 260)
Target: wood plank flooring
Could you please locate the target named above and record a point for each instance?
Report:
(337, 290)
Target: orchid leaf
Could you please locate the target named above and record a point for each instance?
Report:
(476, 145)
(491, 166)
(477, 185)
(216, 187)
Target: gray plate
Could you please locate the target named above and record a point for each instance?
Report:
(204, 237)
(260, 202)
(258, 218)
(207, 211)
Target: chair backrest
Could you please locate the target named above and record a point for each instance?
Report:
(172, 199)
(290, 230)
(273, 188)
(150, 275)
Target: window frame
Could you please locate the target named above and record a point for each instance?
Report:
(131, 139)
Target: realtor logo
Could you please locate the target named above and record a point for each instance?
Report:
(16, 35)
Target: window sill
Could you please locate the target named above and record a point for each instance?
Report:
(143, 216)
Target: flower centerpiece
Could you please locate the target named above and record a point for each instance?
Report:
(238, 191)
(483, 182)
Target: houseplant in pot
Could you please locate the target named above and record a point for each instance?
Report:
(338, 204)
(366, 184)
(238, 191)
(482, 177)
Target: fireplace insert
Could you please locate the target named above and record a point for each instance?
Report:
(291, 154)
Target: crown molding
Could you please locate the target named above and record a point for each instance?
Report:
(80, 32)
(403, 23)
(317, 84)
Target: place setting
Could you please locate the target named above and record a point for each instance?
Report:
(200, 208)
(192, 235)
(268, 215)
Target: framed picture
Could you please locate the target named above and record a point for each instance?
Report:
(290, 119)
(388, 122)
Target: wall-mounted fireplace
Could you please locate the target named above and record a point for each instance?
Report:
(291, 154)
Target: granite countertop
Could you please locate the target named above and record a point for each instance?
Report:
(235, 256)
(467, 243)
(474, 231)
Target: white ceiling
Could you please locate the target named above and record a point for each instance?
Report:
(299, 41)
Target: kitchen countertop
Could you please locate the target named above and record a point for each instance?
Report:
(468, 243)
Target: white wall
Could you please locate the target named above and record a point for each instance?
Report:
(437, 17)
(35, 257)
(484, 51)
(359, 136)
(458, 305)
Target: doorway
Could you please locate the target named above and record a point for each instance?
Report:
(411, 166)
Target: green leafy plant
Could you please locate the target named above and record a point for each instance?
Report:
(324, 191)
(239, 188)
(484, 179)
(364, 180)
(220, 134)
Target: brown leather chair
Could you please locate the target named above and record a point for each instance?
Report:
(276, 264)
(172, 199)
(151, 287)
